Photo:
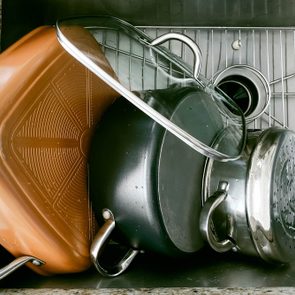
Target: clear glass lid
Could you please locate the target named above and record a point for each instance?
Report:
(148, 75)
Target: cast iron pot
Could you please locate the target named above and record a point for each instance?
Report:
(144, 181)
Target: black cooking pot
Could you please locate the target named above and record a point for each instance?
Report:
(145, 180)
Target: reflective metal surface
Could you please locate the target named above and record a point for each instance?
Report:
(206, 219)
(230, 217)
(17, 263)
(258, 213)
(188, 41)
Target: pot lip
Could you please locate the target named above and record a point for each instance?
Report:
(265, 209)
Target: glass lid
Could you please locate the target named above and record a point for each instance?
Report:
(143, 68)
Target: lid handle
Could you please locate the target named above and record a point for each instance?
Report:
(188, 41)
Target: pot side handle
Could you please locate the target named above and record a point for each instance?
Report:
(206, 221)
(17, 263)
(100, 242)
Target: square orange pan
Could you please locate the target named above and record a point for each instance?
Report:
(49, 105)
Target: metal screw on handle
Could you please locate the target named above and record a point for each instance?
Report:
(188, 41)
(206, 219)
(100, 242)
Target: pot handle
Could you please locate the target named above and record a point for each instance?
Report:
(17, 263)
(189, 42)
(100, 241)
(206, 219)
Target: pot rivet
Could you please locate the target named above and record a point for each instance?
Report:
(106, 214)
(36, 262)
(234, 249)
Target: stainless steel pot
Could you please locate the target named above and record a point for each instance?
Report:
(250, 203)
(149, 149)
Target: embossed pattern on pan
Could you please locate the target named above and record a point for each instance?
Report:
(49, 106)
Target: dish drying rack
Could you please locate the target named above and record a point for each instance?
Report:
(269, 50)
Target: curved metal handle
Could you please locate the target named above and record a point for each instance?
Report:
(188, 41)
(17, 263)
(101, 240)
(206, 219)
